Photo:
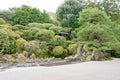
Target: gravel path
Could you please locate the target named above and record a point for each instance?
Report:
(94, 70)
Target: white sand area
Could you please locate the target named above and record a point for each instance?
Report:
(94, 70)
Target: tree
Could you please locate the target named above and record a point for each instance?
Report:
(93, 16)
(7, 41)
(27, 14)
(7, 15)
(46, 17)
(98, 31)
(67, 13)
(111, 7)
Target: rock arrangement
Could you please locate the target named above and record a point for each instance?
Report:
(84, 54)
(25, 60)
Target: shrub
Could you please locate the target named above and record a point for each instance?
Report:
(58, 52)
(44, 35)
(20, 43)
(72, 49)
(31, 33)
(59, 41)
(21, 26)
(2, 21)
(47, 25)
(32, 47)
(7, 41)
(40, 25)
(37, 25)
(56, 29)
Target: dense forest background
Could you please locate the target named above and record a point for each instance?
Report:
(95, 24)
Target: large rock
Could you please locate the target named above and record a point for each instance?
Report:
(86, 48)
(8, 58)
(51, 59)
(72, 58)
(89, 58)
(33, 57)
(21, 58)
(68, 59)
(25, 53)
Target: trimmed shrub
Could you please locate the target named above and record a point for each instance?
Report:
(2, 21)
(58, 52)
(20, 43)
(44, 35)
(72, 49)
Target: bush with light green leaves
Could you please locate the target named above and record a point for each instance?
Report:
(58, 52)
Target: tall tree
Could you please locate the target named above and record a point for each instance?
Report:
(98, 31)
(7, 15)
(111, 7)
(67, 13)
(27, 14)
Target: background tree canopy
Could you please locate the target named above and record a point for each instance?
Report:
(68, 12)
(26, 14)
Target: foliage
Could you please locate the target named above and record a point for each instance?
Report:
(34, 33)
(20, 43)
(41, 25)
(21, 26)
(26, 14)
(93, 16)
(59, 41)
(58, 51)
(44, 35)
(46, 17)
(31, 33)
(56, 29)
(111, 7)
(32, 47)
(43, 48)
(7, 15)
(2, 21)
(67, 13)
(115, 18)
(72, 49)
(37, 25)
(97, 31)
(7, 41)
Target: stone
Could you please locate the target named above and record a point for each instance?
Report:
(86, 48)
(89, 58)
(8, 58)
(68, 59)
(51, 59)
(2, 60)
(72, 58)
(16, 55)
(33, 57)
(79, 51)
(21, 58)
(107, 54)
(25, 53)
